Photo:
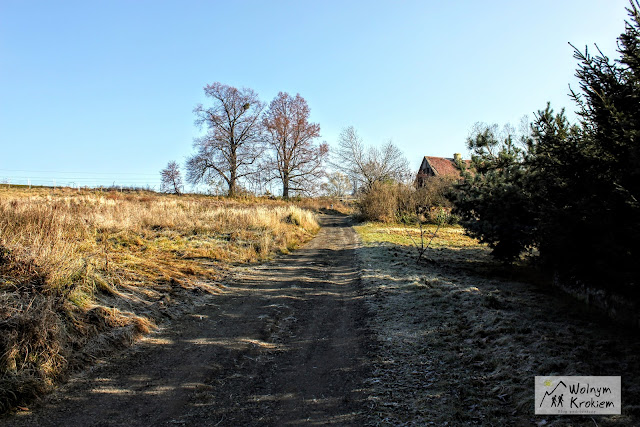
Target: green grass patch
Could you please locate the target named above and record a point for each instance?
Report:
(449, 236)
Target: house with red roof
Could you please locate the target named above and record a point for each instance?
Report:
(440, 167)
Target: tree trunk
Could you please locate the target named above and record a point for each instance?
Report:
(232, 173)
(285, 186)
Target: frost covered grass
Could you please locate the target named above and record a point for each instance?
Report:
(459, 338)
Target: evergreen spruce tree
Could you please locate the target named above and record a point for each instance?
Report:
(491, 201)
(572, 191)
(604, 168)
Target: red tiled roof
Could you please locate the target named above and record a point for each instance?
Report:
(442, 166)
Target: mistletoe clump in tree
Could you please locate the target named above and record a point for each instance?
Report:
(233, 142)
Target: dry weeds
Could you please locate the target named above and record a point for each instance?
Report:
(84, 272)
(460, 338)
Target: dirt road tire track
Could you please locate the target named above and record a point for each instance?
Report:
(285, 344)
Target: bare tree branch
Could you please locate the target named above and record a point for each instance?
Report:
(296, 161)
(233, 141)
(171, 179)
(363, 165)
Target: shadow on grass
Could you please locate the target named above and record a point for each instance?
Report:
(480, 331)
(286, 342)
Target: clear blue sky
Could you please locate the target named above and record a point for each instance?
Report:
(97, 92)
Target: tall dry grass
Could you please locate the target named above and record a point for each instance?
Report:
(77, 265)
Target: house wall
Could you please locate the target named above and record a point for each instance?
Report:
(425, 172)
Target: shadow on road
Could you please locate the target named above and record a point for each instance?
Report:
(285, 343)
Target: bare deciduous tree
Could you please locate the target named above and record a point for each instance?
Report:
(233, 140)
(350, 156)
(171, 178)
(297, 161)
(366, 165)
(337, 185)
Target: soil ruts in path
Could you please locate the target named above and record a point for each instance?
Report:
(284, 344)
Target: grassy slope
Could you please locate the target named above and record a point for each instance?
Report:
(460, 338)
(84, 272)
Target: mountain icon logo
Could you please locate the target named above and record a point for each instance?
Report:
(546, 393)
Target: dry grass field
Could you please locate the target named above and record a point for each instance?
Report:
(83, 272)
(459, 337)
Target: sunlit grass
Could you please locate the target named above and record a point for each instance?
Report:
(74, 264)
(449, 236)
(458, 334)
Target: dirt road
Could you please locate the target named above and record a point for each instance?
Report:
(283, 345)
